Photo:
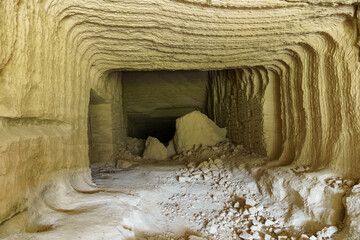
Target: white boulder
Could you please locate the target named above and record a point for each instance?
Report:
(195, 129)
(154, 149)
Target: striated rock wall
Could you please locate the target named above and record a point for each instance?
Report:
(236, 101)
(106, 125)
(53, 53)
(247, 102)
(175, 92)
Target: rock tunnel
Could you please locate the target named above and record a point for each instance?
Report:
(150, 102)
(79, 78)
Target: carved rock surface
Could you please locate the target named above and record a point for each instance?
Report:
(54, 52)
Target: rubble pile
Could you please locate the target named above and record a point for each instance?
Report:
(222, 150)
(241, 215)
(339, 183)
(135, 145)
(247, 220)
(124, 158)
(206, 170)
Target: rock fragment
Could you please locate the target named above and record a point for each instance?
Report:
(245, 235)
(250, 202)
(193, 237)
(196, 128)
(123, 164)
(154, 149)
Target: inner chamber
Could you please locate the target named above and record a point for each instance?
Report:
(151, 101)
(154, 100)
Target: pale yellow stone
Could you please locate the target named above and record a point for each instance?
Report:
(53, 52)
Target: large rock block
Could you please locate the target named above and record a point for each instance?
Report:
(154, 149)
(196, 128)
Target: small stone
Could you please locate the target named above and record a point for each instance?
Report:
(250, 202)
(193, 237)
(205, 170)
(260, 208)
(197, 176)
(213, 166)
(218, 162)
(282, 237)
(269, 223)
(246, 235)
(191, 165)
(197, 172)
(213, 229)
(124, 164)
(256, 236)
(327, 232)
(277, 231)
(313, 237)
(304, 237)
(350, 183)
(338, 182)
(246, 212)
(255, 228)
(267, 237)
(203, 164)
(181, 179)
(253, 210)
(237, 205)
(356, 189)
(206, 177)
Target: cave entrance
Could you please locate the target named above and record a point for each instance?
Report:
(153, 101)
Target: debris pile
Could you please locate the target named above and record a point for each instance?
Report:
(247, 220)
(206, 170)
(222, 150)
(124, 158)
(339, 183)
(135, 146)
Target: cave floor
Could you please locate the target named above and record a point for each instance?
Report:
(167, 200)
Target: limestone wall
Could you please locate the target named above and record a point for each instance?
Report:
(107, 123)
(54, 52)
